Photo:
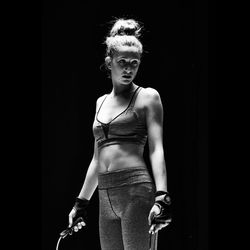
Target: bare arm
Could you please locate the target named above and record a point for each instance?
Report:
(87, 190)
(91, 179)
(88, 187)
(154, 116)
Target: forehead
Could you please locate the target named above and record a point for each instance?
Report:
(127, 52)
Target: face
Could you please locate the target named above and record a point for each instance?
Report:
(124, 65)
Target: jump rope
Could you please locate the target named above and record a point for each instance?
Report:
(152, 244)
(68, 231)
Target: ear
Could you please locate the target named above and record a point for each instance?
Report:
(108, 62)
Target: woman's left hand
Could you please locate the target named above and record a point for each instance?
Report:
(155, 227)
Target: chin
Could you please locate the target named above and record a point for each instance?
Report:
(126, 82)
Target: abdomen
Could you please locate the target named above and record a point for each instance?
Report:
(121, 156)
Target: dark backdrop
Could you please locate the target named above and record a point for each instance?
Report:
(175, 63)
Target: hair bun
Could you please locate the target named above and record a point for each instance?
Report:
(128, 27)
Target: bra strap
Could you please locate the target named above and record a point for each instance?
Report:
(132, 103)
(104, 98)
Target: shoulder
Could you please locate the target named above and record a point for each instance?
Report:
(99, 100)
(150, 95)
(150, 92)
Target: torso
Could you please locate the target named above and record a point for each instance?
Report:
(119, 156)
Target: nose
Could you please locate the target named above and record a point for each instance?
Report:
(127, 70)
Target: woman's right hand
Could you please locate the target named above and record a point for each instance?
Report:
(73, 216)
(79, 210)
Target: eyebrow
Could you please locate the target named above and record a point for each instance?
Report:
(128, 59)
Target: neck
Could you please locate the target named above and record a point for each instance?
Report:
(123, 90)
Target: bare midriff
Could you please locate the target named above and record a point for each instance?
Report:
(120, 156)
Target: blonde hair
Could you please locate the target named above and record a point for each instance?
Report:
(125, 32)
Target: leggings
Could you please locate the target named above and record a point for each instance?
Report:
(125, 199)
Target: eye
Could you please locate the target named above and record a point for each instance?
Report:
(134, 63)
(121, 62)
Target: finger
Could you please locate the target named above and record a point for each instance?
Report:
(160, 226)
(150, 217)
(75, 228)
(152, 229)
(149, 220)
(165, 223)
(157, 228)
(70, 221)
(158, 221)
(79, 225)
(83, 223)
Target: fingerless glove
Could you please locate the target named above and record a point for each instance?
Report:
(80, 207)
(165, 208)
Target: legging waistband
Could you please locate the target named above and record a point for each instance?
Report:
(123, 177)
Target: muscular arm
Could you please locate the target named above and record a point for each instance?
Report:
(154, 118)
(91, 179)
(86, 192)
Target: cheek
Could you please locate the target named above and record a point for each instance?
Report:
(136, 70)
(118, 69)
(115, 71)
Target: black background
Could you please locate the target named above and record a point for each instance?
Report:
(175, 62)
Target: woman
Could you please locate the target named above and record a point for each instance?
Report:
(132, 205)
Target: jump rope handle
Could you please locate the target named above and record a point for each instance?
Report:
(153, 241)
(69, 230)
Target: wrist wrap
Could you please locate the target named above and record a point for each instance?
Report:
(80, 207)
(165, 209)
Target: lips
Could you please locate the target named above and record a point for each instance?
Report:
(127, 77)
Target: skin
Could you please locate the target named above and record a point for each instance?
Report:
(123, 67)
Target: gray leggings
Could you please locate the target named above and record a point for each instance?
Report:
(125, 197)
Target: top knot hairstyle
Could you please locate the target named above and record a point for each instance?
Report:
(125, 32)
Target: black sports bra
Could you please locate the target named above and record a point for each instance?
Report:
(126, 127)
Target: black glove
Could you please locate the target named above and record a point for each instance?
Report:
(80, 207)
(165, 209)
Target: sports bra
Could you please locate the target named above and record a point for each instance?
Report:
(126, 127)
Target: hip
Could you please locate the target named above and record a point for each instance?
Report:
(124, 177)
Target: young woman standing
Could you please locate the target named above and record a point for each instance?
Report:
(132, 204)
